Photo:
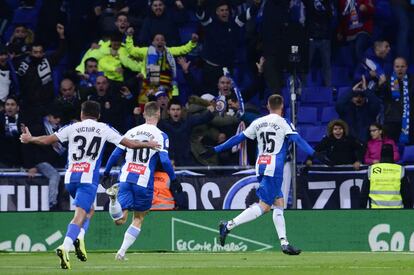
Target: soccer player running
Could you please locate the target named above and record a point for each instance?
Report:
(86, 140)
(273, 133)
(136, 187)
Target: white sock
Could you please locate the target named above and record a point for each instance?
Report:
(81, 234)
(115, 210)
(67, 243)
(279, 222)
(251, 213)
(129, 238)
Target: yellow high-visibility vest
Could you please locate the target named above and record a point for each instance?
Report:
(385, 185)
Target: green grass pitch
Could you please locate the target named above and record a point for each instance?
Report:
(214, 263)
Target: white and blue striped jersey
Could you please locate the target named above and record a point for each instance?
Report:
(270, 132)
(140, 164)
(86, 142)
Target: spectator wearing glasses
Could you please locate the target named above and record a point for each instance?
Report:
(374, 145)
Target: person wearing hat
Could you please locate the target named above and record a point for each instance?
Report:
(386, 185)
(359, 108)
(45, 159)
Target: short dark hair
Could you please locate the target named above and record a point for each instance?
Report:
(12, 97)
(174, 101)
(93, 59)
(275, 101)
(91, 108)
(121, 14)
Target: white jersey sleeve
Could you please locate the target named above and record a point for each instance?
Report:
(113, 135)
(250, 131)
(64, 133)
(288, 127)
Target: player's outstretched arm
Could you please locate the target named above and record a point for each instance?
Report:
(135, 144)
(234, 140)
(26, 137)
(308, 149)
(296, 138)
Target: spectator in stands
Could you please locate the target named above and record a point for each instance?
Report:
(35, 79)
(273, 18)
(359, 108)
(373, 151)
(8, 79)
(340, 147)
(10, 146)
(319, 16)
(224, 84)
(373, 64)
(403, 15)
(399, 104)
(68, 102)
(222, 36)
(112, 57)
(386, 185)
(163, 21)
(159, 67)
(88, 78)
(162, 99)
(179, 129)
(356, 23)
(112, 16)
(21, 39)
(6, 14)
(45, 159)
(115, 103)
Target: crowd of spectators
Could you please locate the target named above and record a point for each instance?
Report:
(55, 54)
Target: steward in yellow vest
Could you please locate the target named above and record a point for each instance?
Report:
(387, 186)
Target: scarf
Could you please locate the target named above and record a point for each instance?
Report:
(395, 93)
(351, 9)
(297, 11)
(241, 147)
(57, 146)
(155, 58)
(10, 128)
(236, 90)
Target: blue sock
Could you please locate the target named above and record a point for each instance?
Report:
(84, 228)
(73, 231)
(85, 225)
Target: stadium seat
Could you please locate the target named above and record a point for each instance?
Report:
(314, 79)
(312, 134)
(328, 113)
(342, 91)
(307, 115)
(317, 96)
(408, 154)
(340, 76)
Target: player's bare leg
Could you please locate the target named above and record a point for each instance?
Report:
(72, 233)
(131, 234)
(80, 248)
(249, 214)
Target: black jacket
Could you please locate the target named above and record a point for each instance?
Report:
(10, 145)
(345, 150)
(179, 136)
